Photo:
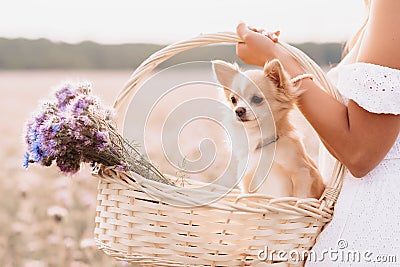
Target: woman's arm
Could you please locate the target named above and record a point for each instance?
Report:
(358, 138)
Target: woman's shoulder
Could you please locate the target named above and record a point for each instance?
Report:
(365, 72)
(380, 43)
(369, 70)
(374, 87)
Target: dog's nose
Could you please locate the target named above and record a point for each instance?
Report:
(240, 111)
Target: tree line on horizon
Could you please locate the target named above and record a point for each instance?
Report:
(24, 54)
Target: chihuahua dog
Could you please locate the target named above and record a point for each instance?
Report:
(271, 159)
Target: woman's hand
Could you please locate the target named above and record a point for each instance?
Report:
(258, 46)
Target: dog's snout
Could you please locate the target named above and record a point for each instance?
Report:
(240, 111)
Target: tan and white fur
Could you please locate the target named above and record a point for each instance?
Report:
(272, 160)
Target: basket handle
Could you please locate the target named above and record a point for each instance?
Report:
(125, 96)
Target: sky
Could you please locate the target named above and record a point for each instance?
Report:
(167, 21)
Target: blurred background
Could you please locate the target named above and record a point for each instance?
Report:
(47, 219)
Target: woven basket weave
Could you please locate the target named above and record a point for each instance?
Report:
(136, 222)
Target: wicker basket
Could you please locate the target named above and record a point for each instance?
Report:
(135, 223)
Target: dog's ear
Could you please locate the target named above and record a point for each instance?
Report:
(275, 72)
(224, 72)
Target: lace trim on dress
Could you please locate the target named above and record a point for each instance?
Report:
(375, 88)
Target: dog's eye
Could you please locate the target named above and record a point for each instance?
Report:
(257, 100)
(233, 99)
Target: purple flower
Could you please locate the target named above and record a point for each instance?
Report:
(82, 105)
(52, 148)
(85, 121)
(84, 88)
(120, 168)
(65, 95)
(101, 140)
(68, 167)
(73, 129)
(37, 153)
(30, 136)
(25, 163)
(56, 127)
(69, 160)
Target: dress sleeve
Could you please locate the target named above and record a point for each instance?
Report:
(375, 88)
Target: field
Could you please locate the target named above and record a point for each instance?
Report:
(47, 219)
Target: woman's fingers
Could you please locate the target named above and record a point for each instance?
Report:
(243, 31)
(273, 35)
(259, 30)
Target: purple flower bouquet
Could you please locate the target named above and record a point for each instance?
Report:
(74, 128)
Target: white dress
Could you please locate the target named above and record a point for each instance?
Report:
(365, 229)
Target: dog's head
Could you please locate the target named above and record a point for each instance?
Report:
(254, 94)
